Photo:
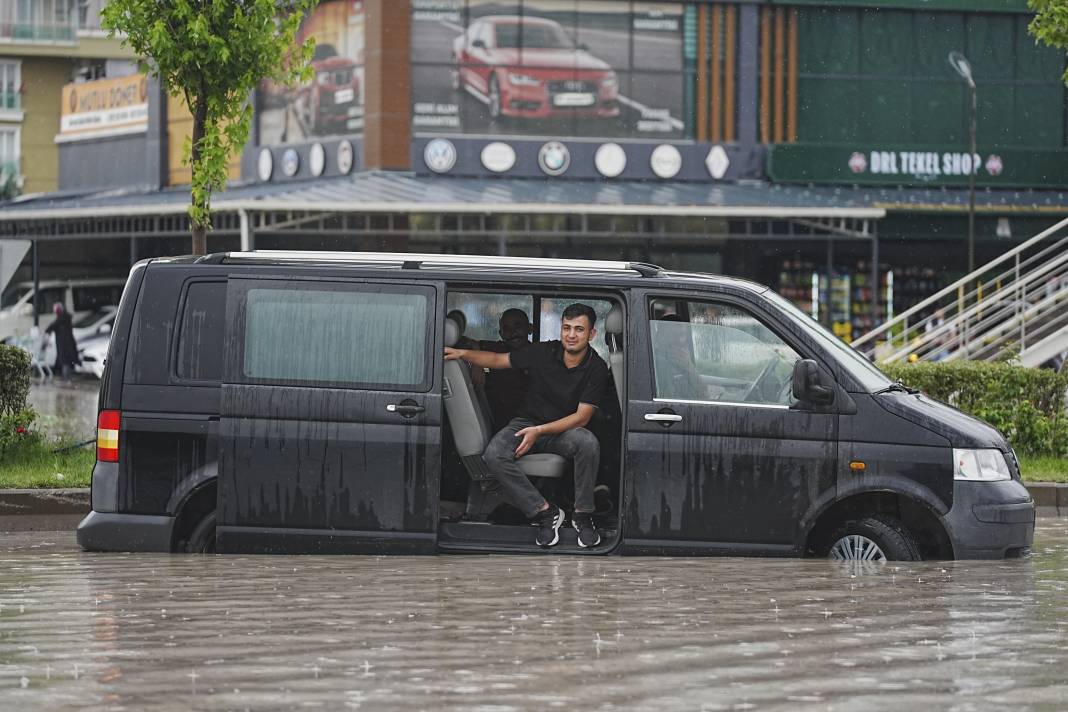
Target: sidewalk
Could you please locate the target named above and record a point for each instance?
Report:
(57, 509)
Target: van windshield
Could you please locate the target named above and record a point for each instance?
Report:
(12, 296)
(866, 373)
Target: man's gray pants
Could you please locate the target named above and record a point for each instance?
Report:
(578, 445)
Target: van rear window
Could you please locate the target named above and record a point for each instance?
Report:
(321, 336)
(200, 337)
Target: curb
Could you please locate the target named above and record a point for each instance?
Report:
(59, 509)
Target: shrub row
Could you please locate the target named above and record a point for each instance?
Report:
(1026, 404)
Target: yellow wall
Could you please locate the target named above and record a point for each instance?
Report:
(42, 85)
(179, 128)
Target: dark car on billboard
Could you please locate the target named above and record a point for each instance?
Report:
(332, 97)
(530, 67)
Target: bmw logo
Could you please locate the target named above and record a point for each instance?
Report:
(554, 158)
(440, 155)
(290, 162)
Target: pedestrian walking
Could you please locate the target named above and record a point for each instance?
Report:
(66, 346)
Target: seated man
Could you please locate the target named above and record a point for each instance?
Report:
(506, 390)
(567, 381)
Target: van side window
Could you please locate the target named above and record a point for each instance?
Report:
(338, 337)
(200, 334)
(706, 351)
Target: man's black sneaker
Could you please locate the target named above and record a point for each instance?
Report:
(549, 523)
(587, 533)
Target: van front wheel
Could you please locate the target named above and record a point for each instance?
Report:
(202, 540)
(874, 538)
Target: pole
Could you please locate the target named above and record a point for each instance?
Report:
(875, 278)
(36, 285)
(971, 180)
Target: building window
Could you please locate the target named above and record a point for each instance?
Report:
(9, 153)
(10, 84)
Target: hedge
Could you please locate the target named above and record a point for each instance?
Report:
(14, 379)
(1026, 404)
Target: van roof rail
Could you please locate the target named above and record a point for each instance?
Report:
(416, 261)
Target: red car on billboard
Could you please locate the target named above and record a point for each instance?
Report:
(333, 95)
(530, 67)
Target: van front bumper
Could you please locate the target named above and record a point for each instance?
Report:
(107, 531)
(990, 520)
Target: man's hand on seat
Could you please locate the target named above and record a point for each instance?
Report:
(530, 435)
(452, 354)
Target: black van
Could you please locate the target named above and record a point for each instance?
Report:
(299, 402)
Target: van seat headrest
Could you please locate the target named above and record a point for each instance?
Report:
(452, 332)
(613, 322)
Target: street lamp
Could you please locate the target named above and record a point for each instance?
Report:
(963, 68)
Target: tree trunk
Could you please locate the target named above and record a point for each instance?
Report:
(199, 230)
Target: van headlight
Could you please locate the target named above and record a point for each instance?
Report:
(980, 466)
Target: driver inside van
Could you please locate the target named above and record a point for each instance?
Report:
(567, 381)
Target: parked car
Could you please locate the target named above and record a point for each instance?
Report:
(299, 402)
(95, 323)
(333, 96)
(80, 297)
(93, 353)
(531, 67)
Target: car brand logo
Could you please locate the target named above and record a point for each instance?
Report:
(573, 85)
(316, 159)
(994, 166)
(857, 162)
(554, 158)
(498, 157)
(610, 159)
(440, 155)
(717, 162)
(665, 161)
(290, 162)
(344, 157)
(265, 164)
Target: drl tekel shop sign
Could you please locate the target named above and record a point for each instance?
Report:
(1006, 167)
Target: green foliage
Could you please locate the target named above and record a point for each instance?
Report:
(1026, 404)
(14, 379)
(17, 432)
(214, 53)
(1050, 24)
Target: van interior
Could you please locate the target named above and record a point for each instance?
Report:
(477, 405)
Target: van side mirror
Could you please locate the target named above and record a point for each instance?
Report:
(810, 385)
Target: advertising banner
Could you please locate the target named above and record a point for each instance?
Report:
(331, 103)
(104, 107)
(917, 166)
(548, 68)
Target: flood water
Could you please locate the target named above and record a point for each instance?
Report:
(512, 633)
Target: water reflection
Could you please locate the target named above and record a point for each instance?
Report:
(507, 633)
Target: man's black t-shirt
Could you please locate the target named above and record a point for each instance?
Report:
(506, 389)
(556, 390)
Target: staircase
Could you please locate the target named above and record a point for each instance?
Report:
(1015, 304)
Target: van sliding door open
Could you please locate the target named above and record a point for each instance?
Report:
(330, 424)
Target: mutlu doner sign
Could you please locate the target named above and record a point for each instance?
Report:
(916, 166)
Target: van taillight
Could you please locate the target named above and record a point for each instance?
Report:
(107, 436)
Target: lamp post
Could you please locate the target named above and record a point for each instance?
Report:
(963, 68)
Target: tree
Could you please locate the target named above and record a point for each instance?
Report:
(1050, 24)
(213, 53)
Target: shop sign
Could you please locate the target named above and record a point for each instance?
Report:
(610, 159)
(554, 158)
(440, 155)
(106, 107)
(265, 164)
(665, 161)
(290, 162)
(344, 157)
(895, 165)
(317, 159)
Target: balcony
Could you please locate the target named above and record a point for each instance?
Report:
(49, 21)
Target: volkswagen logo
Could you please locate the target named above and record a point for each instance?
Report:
(440, 155)
(554, 158)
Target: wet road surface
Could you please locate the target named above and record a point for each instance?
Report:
(66, 409)
(178, 632)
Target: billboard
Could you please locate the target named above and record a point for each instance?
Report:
(548, 68)
(331, 103)
(105, 107)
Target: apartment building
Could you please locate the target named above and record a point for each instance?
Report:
(44, 45)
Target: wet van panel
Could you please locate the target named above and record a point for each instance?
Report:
(716, 459)
(169, 421)
(331, 417)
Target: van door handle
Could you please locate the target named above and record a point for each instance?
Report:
(663, 417)
(406, 408)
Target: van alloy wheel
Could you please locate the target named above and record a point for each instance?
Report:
(855, 547)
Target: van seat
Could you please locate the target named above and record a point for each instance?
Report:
(472, 428)
(613, 337)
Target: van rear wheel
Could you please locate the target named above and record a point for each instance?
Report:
(202, 540)
(874, 538)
